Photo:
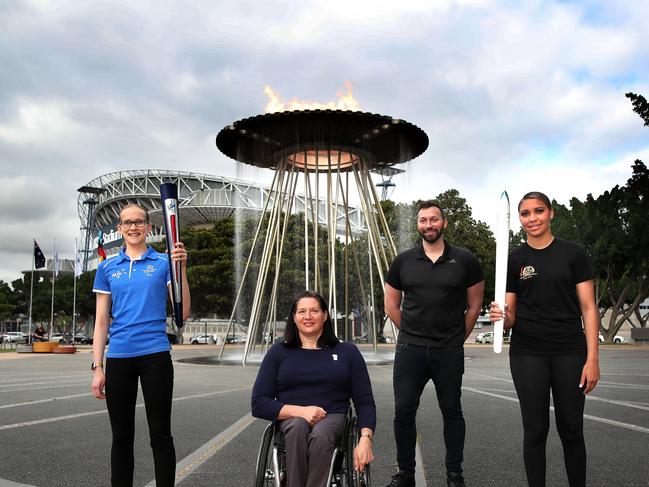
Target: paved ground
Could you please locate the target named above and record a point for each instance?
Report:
(54, 433)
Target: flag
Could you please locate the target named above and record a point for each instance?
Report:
(100, 247)
(57, 262)
(39, 257)
(77, 260)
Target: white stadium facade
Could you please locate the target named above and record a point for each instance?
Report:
(203, 200)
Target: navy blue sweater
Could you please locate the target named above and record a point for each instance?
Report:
(327, 378)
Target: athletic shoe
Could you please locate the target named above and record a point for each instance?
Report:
(455, 479)
(402, 479)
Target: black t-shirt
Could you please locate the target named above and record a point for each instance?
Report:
(434, 294)
(548, 317)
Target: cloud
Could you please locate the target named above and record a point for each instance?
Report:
(523, 95)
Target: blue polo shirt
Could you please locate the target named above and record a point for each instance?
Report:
(139, 293)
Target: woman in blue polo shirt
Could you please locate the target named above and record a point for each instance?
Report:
(132, 288)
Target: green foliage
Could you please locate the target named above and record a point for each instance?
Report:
(613, 229)
(640, 106)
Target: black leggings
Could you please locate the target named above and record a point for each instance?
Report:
(534, 377)
(156, 375)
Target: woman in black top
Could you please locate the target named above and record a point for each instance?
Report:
(550, 293)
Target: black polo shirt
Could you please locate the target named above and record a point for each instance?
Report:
(434, 294)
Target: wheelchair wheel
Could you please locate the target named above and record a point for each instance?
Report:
(356, 479)
(264, 475)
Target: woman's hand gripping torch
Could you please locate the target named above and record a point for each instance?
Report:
(169, 197)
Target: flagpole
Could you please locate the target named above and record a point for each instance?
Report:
(31, 292)
(74, 299)
(53, 279)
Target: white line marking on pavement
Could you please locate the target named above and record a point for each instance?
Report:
(103, 411)
(485, 376)
(628, 404)
(633, 427)
(622, 385)
(52, 420)
(29, 403)
(63, 383)
(23, 379)
(191, 462)
(420, 477)
(9, 483)
(490, 389)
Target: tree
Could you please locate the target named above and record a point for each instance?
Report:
(612, 228)
(8, 304)
(640, 106)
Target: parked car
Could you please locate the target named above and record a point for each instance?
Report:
(488, 337)
(203, 338)
(58, 338)
(485, 337)
(83, 339)
(616, 339)
(15, 337)
(235, 339)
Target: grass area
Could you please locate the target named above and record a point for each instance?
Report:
(6, 350)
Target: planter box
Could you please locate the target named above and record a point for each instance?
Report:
(640, 336)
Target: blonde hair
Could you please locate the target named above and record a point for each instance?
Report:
(134, 205)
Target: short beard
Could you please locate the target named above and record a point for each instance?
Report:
(434, 239)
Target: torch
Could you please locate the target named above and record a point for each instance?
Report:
(169, 197)
(502, 252)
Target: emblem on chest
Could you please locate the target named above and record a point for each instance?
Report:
(527, 272)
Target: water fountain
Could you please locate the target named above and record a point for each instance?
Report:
(328, 155)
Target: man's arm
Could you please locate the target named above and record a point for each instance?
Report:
(392, 304)
(474, 295)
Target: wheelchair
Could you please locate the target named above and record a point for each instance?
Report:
(270, 470)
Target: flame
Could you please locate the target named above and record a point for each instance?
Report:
(344, 101)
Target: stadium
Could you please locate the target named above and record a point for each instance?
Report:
(203, 200)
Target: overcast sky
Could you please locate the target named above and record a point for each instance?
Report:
(517, 95)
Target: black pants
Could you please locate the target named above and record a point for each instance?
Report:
(534, 377)
(414, 366)
(156, 375)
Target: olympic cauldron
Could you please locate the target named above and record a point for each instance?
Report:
(322, 152)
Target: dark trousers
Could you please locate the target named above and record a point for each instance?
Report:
(156, 375)
(414, 366)
(534, 378)
(309, 449)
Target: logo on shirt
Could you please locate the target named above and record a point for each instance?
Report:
(452, 261)
(118, 274)
(150, 269)
(527, 272)
(334, 356)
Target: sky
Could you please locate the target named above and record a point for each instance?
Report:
(516, 95)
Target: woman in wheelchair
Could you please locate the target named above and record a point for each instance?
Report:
(305, 384)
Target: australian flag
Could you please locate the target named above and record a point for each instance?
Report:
(39, 257)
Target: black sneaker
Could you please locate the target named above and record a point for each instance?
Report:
(455, 479)
(402, 479)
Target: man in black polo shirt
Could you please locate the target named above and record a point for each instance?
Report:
(433, 294)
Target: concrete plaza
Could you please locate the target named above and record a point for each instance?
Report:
(54, 433)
